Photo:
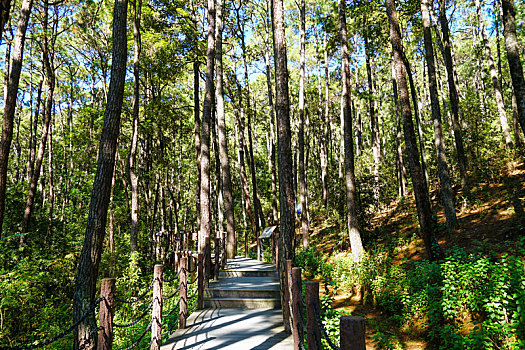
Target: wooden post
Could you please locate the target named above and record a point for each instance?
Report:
(286, 306)
(276, 249)
(217, 252)
(105, 336)
(273, 248)
(207, 262)
(156, 313)
(352, 333)
(297, 309)
(312, 327)
(224, 257)
(200, 281)
(183, 292)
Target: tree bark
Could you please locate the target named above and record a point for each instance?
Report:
(401, 170)
(205, 207)
(513, 56)
(10, 100)
(439, 140)
(420, 190)
(48, 62)
(374, 124)
(86, 278)
(302, 171)
(454, 99)
(284, 135)
(495, 82)
(351, 207)
(133, 178)
(231, 244)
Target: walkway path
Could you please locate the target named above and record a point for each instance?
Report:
(241, 311)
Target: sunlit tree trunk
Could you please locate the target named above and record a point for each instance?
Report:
(48, 62)
(231, 248)
(205, 206)
(302, 170)
(10, 100)
(401, 170)
(513, 56)
(137, 5)
(439, 140)
(494, 76)
(351, 207)
(374, 123)
(420, 190)
(454, 99)
(284, 135)
(86, 278)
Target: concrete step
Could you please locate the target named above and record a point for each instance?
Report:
(242, 303)
(228, 293)
(248, 273)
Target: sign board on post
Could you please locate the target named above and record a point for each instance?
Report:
(267, 232)
(298, 208)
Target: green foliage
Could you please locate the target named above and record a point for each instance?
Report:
(469, 301)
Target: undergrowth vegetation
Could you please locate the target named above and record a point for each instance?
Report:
(467, 301)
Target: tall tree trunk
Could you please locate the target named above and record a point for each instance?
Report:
(284, 136)
(413, 94)
(257, 211)
(302, 171)
(374, 124)
(32, 137)
(420, 190)
(323, 129)
(439, 140)
(401, 170)
(351, 215)
(513, 56)
(50, 179)
(86, 278)
(133, 179)
(10, 100)
(5, 9)
(272, 125)
(494, 76)
(454, 99)
(231, 244)
(205, 207)
(48, 62)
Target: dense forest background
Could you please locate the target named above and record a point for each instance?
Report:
(468, 292)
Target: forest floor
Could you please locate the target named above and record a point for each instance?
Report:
(492, 219)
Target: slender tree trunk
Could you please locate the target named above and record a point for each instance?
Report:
(495, 82)
(133, 178)
(10, 100)
(374, 124)
(302, 171)
(205, 227)
(324, 131)
(517, 132)
(50, 179)
(86, 278)
(420, 190)
(32, 139)
(439, 140)
(284, 135)
(231, 246)
(353, 227)
(454, 99)
(513, 56)
(272, 128)
(48, 62)
(401, 170)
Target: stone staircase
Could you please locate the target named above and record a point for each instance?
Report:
(244, 284)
